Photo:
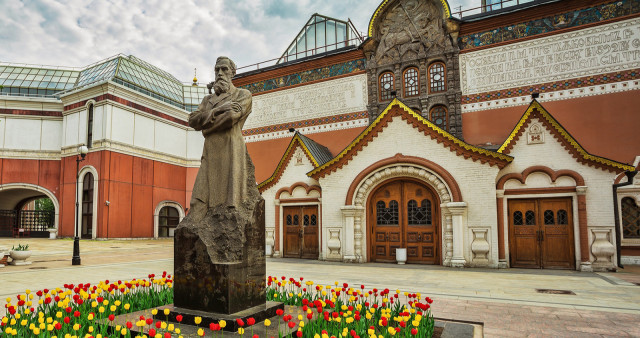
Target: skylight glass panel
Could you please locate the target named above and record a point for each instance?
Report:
(319, 35)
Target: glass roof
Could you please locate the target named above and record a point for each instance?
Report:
(128, 71)
(31, 80)
(321, 34)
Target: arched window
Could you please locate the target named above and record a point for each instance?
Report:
(630, 218)
(437, 77)
(169, 218)
(386, 86)
(439, 116)
(90, 126)
(411, 82)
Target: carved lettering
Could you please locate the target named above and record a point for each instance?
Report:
(597, 50)
(327, 98)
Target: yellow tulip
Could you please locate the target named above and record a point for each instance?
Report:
(223, 324)
(123, 332)
(267, 322)
(154, 312)
(198, 320)
(200, 332)
(240, 330)
(166, 312)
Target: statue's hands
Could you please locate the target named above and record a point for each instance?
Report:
(223, 108)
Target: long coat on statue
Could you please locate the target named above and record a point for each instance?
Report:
(221, 179)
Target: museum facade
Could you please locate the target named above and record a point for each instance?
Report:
(496, 139)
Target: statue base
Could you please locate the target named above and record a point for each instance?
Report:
(219, 261)
(259, 313)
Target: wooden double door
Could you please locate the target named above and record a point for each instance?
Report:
(301, 225)
(404, 214)
(541, 233)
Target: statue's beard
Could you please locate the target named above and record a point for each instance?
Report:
(221, 86)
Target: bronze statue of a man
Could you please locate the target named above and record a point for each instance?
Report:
(221, 180)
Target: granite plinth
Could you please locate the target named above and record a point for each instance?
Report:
(258, 313)
(220, 264)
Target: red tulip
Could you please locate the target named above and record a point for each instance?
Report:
(149, 321)
(291, 325)
(299, 334)
(167, 335)
(58, 326)
(279, 312)
(158, 324)
(112, 317)
(152, 332)
(251, 321)
(76, 314)
(179, 318)
(66, 320)
(129, 325)
(414, 331)
(240, 322)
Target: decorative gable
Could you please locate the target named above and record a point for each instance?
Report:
(537, 121)
(397, 108)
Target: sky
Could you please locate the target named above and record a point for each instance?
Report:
(176, 36)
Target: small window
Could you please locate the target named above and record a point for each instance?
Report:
(386, 86)
(314, 220)
(411, 83)
(419, 215)
(549, 218)
(296, 220)
(530, 218)
(437, 78)
(439, 116)
(289, 220)
(168, 220)
(630, 218)
(517, 218)
(387, 216)
(90, 126)
(562, 217)
(306, 220)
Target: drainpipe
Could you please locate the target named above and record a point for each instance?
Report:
(630, 175)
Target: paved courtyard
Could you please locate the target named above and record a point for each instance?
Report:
(505, 301)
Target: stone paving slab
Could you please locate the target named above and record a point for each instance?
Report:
(505, 300)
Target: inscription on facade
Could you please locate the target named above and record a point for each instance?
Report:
(322, 99)
(607, 48)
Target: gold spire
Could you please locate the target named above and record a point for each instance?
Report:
(195, 78)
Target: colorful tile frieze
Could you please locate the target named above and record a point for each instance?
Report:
(307, 123)
(306, 76)
(586, 81)
(576, 18)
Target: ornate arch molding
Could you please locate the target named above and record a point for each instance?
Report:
(308, 189)
(94, 221)
(38, 188)
(408, 166)
(156, 214)
(553, 174)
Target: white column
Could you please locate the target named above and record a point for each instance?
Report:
(349, 213)
(457, 210)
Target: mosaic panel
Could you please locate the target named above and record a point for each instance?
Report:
(306, 123)
(306, 76)
(554, 86)
(548, 24)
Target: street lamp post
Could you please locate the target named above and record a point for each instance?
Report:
(83, 150)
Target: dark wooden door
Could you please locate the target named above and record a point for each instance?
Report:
(541, 233)
(301, 232)
(403, 214)
(87, 206)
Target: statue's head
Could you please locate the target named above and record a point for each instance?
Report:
(225, 70)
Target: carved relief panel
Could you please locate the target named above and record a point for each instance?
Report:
(407, 38)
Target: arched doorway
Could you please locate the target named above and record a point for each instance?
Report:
(87, 206)
(168, 220)
(21, 215)
(404, 213)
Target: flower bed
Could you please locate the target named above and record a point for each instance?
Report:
(324, 311)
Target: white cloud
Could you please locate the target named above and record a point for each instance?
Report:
(176, 36)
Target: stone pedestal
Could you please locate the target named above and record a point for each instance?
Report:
(219, 262)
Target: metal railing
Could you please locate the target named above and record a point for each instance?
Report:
(309, 52)
(488, 7)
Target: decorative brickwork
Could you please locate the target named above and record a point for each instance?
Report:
(580, 17)
(554, 86)
(127, 103)
(30, 112)
(306, 76)
(306, 123)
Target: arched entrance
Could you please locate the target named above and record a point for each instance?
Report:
(404, 213)
(17, 219)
